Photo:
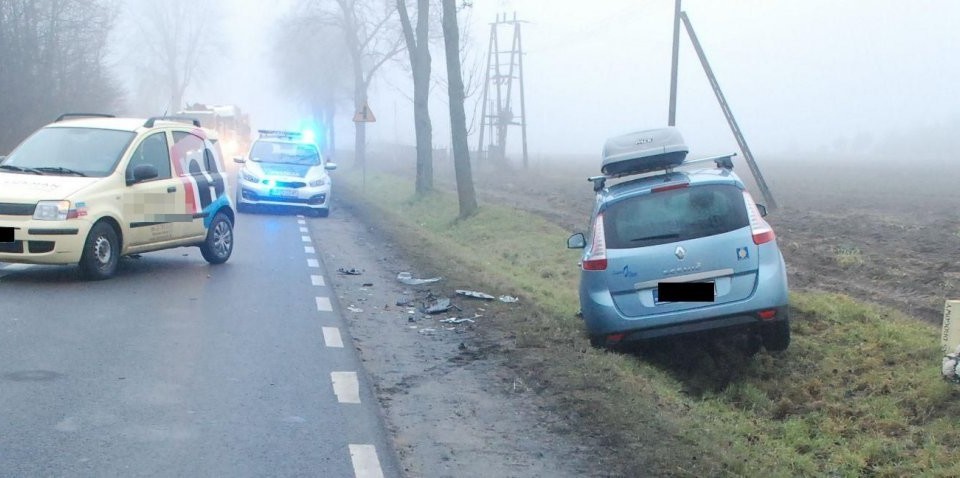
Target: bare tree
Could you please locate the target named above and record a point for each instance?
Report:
(418, 47)
(372, 39)
(53, 60)
(179, 41)
(458, 122)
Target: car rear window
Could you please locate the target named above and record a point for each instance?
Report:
(674, 215)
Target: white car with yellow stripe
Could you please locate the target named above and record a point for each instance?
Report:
(88, 191)
(285, 168)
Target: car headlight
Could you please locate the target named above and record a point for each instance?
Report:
(52, 211)
(318, 182)
(247, 176)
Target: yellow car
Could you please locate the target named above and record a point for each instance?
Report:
(88, 189)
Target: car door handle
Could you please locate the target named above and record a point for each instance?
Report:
(172, 189)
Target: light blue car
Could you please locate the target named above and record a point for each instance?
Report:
(672, 252)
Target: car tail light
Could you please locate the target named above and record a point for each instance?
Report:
(615, 338)
(668, 187)
(762, 232)
(767, 314)
(596, 259)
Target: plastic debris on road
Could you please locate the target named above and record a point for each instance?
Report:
(475, 294)
(354, 309)
(407, 278)
(438, 306)
(349, 272)
(427, 331)
(402, 301)
(367, 284)
(455, 320)
(508, 299)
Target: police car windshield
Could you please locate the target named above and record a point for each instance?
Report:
(286, 153)
(68, 151)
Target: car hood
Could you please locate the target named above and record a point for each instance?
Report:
(18, 188)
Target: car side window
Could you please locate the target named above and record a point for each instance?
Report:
(188, 153)
(152, 150)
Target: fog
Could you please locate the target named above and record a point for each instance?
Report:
(801, 77)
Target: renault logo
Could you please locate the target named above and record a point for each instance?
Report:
(680, 252)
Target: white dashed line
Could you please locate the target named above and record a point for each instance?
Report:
(300, 216)
(301, 222)
(331, 337)
(346, 387)
(323, 304)
(304, 230)
(305, 238)
(309, 250)
(313, 263)
(365, 462)
(317, 280)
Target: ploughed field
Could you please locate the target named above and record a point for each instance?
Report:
(879, 232)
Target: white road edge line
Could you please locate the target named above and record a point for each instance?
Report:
(304, 230)
(346, 387)
(365, 462)
(305, 238)
(313, 263)
(331, 337)
(317, 280)
(301, 222)
(324, 305)
(309, 250)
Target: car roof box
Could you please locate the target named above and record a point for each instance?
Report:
(643, 151)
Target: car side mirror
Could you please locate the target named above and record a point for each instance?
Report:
(239, 160)
(762, 209)
(143, 172)
(576, 241)
(330, 166)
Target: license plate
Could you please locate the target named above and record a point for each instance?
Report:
(6, 234)
(691, 292)
(284, 192)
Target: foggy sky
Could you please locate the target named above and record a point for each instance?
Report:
(807, 76)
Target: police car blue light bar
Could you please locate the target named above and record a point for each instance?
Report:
(279, 134)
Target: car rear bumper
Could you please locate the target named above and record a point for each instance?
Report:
(44, 242)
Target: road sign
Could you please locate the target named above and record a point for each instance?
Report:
(365, 115)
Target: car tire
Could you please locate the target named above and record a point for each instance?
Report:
(776, 336)
(325, 212)
(218, 246)
(101, 253)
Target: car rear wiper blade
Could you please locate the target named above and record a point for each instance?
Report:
(61, 170)
(651, 238)
(19, 169)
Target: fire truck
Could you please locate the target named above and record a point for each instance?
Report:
(231, 124)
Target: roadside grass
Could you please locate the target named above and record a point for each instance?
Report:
(848, 256)
(858, 392)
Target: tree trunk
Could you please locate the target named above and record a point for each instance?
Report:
(419, 50)
(458, 118)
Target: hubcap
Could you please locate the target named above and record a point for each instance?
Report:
(103, 251)
(222, 238)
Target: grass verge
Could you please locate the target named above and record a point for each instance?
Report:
(858, 392)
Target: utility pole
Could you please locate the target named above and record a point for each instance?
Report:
(497, 113)
(672, 121)
(747, 155)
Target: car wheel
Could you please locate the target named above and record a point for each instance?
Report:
(776, 336)
(218, 245)
(101, 253)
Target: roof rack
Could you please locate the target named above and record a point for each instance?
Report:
(272, 133)
(82, 115)
(183, 119)
(724, 161)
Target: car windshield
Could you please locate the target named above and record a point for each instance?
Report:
(70, 151)
(674, 215)
(285, 153)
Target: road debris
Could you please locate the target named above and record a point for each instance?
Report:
(354, 309)
(349, 272)
(455, 320)
(438, 306)
(475, 294)
(507, 299)
(407, 278)
(427, 331)
(403, 301)
(367, 284)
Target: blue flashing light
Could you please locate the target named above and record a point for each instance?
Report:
(308, 135)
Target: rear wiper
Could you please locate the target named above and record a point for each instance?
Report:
(19, 169)
(60, 170)
(651, 238)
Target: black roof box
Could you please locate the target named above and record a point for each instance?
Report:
(643, 151)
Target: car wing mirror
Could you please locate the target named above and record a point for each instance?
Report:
(143, 172)
(576, 241)
(239, 160)
(330, 166)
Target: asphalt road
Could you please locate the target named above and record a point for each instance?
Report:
(178, 368)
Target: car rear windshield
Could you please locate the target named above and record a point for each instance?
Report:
(91, 151)
(674, 215)
(287, 153)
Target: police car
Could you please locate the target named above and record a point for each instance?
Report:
(285, 168)
(88, 189)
